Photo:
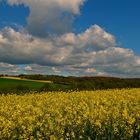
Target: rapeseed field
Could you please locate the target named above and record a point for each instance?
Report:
(86, 115)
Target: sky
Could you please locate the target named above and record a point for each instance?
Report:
(77, 37)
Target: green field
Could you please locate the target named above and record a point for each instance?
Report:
(8, 84)
(25, 83)
(14, 85)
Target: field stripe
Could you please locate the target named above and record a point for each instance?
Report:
(23, 79)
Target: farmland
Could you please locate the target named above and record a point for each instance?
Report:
(11, 84)
(106, 114)
(24, 83)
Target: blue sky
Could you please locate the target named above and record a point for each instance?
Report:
(10, 15)
(119, 18)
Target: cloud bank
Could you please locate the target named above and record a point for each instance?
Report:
(93, 52)
(22, 48)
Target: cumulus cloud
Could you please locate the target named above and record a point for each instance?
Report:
(17, 47)
(6, 68)
(5, 65)
(93, 52)
(50, 16)
(28, 68)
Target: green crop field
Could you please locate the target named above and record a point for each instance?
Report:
(7, 84)
(15, 84)
(85, 115)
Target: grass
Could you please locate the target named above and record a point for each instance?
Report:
(14, 84)
(9, 83)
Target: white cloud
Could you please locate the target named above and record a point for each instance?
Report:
(50, 16)
(17, 47)
(90, 70)
(97, 37)
(5, 65)
(6, 68)
(28, 68)
(94, 38)
(93, 52)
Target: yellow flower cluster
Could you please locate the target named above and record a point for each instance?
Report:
(87, 115)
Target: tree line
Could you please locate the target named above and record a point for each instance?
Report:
(84, 83)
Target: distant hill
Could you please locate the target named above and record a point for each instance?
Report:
(88, 83)
(61, 83)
